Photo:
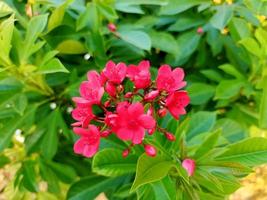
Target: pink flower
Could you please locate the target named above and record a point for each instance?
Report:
(176, 102)
(140, 74)
(132, 122)
(150, 150)
(92, 89)
(83, 115)
(89, 142)
(111, 89)
(151, 95)
(169, 80)
(189, 165)
(112, 27)
(115, 73)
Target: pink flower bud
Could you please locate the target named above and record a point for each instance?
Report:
(105, 133)
(150, 150)
(150, 111)
(189, 165)
(170, 136)
(125, 153)
(151, 131)
(162, 112)
(200, 30)
(107, 103)
(151, 95)
(111, 89)
(120, 88)
(112, 27)
(128, 95)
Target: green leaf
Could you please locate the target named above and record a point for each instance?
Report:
(239, 28)
(201, 122)
(20, 103)
(200, 93)
(164, 189)
(5, 9)
(250, 152)
(263, 105)
(29, 176)
(107, 10)
(164, 42)
(89, 18)
(71, 47)
(222, 17)
(10, 126)
(252, 46)
(52, 66)
(261, 36)
(6, 33)
(90, 187)
(208, 144)
(178, 6)
(50, 141)
(4, 160)
(109, 162)
(230, 69)
(228, 89)
(186, 22)
(137, 38)
(150, 169)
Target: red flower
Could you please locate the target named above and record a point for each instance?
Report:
(115, 73)
(189, 165)
(140, 74)
(176, 102)
(83, 114)
(169, 80)
(132, 122)
(89, 142)
(92, 89)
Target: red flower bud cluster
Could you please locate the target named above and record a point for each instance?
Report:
(131, 106)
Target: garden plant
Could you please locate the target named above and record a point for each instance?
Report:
(136, 99)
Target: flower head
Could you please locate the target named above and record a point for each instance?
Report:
(169, 80)
(176, 102)
(140, 74)
(115, 73)
(89, 141)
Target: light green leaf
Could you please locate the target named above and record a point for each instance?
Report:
(230, 69)
(239, 28)
(71, 47)
(201, 122)
(109, 162)
(208, 144)
(261, 36)
(50, 140)
(200, 93)
(178, 6)
(164, 189)
(164, 42)
(150, 169)
(90, 187)
(252, 46)
(137, 38)
(52, 66)
(228, 89)
(89, 18)
(263, 105)
(20, 103)
(107, 10)
(250, 152)
(222, 17)
(5, 9)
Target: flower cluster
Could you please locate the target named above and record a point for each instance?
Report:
(129, 105)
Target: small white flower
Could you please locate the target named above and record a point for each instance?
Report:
(87, 56)
(18, 136)
(53, 105)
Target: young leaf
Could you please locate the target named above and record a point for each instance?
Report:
(71, 47)
(52, 66)
(137, 38)
(228, 89)
(150, 169)
(250, 152)
(109, 162)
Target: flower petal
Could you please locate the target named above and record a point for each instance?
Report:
(138, 135)
(147, 121)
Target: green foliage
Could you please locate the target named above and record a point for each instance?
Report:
(42, 63)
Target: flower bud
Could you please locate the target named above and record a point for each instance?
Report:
(120, 88)
(112, 27)
(170, 136)
(151, 95)
(150, 111)
(150, 150)
(128, 95)
(106, 133)
(125, 153)
(200, 30)
(151, 131)
(162, 112)
(189, 165)
(107, 103)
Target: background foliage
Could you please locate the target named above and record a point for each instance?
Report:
(222, 45)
